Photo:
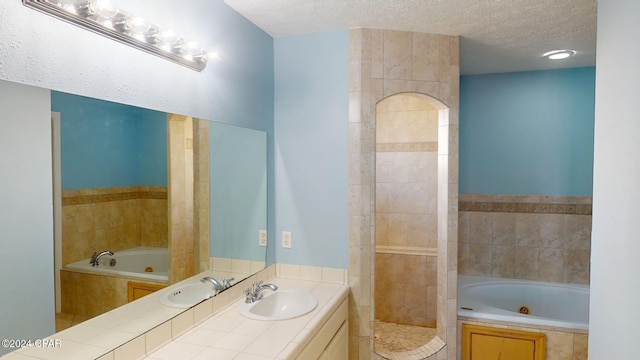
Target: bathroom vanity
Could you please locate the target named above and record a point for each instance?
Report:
(147, 329)
(319, 334)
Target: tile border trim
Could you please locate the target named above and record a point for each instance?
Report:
(426, 146)
(533, 204)
(80, 197)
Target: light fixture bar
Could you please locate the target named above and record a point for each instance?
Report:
(123, 28)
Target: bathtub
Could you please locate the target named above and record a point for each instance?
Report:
(548, 304)
(143, 263)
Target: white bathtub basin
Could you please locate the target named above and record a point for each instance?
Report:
(280, 305)
(547, 304)
(187, 295)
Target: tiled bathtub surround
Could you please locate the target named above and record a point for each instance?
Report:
(89, 295)
(561, 343)
(531, 237)
(112, 219)
(385, 63)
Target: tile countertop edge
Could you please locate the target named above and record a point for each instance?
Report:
(330, 296)
(307, 333)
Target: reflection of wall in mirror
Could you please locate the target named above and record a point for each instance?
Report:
(238, 189)
(114, 176)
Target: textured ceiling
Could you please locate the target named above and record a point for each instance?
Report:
(496, 35)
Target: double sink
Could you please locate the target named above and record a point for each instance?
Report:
(275, 305)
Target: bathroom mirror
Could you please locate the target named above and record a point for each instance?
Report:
(142, 145)
(114, 177)
(238, 195)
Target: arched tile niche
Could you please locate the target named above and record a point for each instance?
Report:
(383, 63)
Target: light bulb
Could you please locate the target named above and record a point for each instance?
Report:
(103, 8)
(213, 55)
(137, 25)
(66, 5)
(191, 48)
(168, 37)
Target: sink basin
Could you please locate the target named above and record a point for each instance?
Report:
(280, 305)
(187, 295)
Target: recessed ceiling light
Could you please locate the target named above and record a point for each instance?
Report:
(559, 54)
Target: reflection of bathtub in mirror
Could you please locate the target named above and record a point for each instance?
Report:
(115, 194)
(141, 263)
(88, 291)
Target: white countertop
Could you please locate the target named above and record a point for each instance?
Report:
(147, 327)
(229, 335)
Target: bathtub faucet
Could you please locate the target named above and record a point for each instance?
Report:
(95, 258)
(254, 293)
(217, 285)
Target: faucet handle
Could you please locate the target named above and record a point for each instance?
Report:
(226, 283)
(249, 295)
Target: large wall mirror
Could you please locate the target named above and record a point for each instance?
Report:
(112, 177)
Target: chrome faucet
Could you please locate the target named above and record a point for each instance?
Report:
(227, 282)
(95, 258)
(217, 285)
(254, 293)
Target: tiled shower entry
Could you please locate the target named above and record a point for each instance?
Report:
(392, 337)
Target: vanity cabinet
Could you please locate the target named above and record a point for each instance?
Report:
(338, 347)
(331, 341)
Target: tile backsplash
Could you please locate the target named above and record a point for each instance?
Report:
(533, 237)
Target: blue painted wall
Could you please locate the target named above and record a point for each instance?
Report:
(237, 90)
(527, 132)
(27, 304)
(105, 144)
(311, 119)
(238, 190)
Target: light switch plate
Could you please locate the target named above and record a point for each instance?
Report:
(262, 237)
(286, 239)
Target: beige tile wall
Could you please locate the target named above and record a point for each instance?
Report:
(153, 222)
(529, 237)
(112, 219)
(181, 197)
(201, 189)
(406, 172)
(406, 289)
(406, 210)
(383, 63)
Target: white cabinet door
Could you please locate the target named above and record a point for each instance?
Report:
(338, 348)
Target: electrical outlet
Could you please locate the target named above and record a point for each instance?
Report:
(286, 239)
(262, 237)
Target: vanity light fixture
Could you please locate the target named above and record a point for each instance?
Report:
(101, 17)
(559, 54)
